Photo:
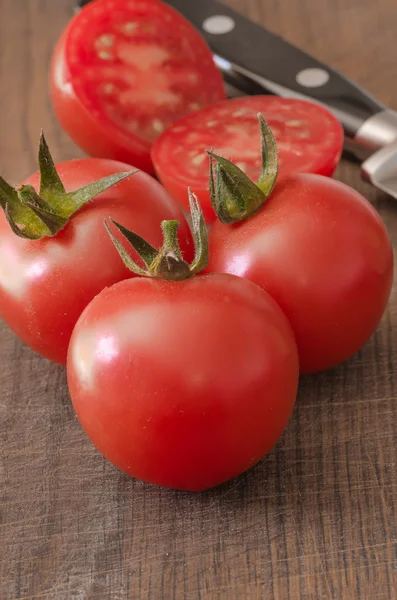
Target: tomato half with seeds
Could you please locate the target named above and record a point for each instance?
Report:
(122, 72)
(309, 140)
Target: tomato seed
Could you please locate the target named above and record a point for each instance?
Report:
(109, 88)
(239, 113)
(129, 28)
(106, 40)
(104, 55)
(158, 126)
(305, 133)
(199, 159)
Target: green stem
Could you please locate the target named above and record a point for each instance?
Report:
(170, 237)
(166, 263)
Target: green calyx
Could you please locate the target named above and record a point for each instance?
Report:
(234, 196)
(166, 263)
(34, 216)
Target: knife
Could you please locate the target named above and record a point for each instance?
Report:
(256, 61)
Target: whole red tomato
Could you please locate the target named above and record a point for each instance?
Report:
(322, 252)
(184, 384)
(46, 283)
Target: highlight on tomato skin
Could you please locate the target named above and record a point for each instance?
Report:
(122, 72)
(309, 139)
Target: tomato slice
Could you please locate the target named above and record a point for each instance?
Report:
(309, 139)
(135, 66)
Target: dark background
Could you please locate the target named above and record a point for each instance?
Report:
(316, 519)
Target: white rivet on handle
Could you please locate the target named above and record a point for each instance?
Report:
(312, 77)
(219, 24)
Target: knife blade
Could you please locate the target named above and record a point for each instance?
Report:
(256, 61)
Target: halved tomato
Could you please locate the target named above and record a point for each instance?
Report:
(123, 71)
(309, 140)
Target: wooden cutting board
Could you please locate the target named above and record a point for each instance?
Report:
(316, 519)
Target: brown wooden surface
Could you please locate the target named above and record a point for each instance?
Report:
(316, 519)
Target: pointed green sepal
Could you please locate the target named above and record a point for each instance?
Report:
(41, 208)
(125, 257)
(200, 236)
(15, 227)
(143, 248)
(21, 218)
(268, 176)
(50, 182)
(234, 196)
(167, 262)
(35, 215)
(7, 194)
(75, 200)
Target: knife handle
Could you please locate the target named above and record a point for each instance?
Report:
(257, 61)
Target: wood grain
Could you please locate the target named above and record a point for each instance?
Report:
(316, 519)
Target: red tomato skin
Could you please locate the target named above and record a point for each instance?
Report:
(45, 284)
(183, 384)
(323, 253)
(175, 189)
(89, 133)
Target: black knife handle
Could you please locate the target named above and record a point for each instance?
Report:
(271, 60)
